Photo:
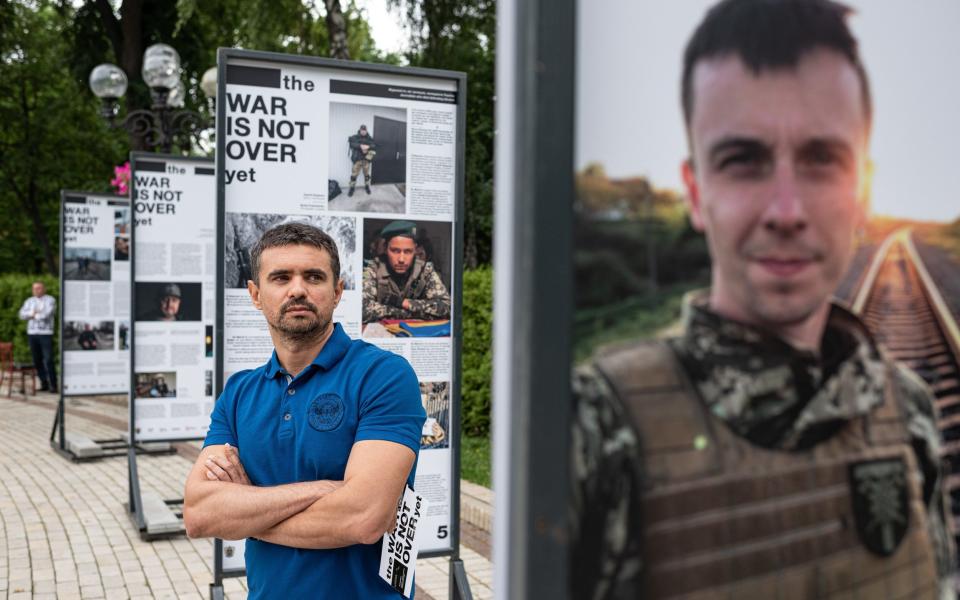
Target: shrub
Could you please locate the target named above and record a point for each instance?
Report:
(477, 358)
(14, 289)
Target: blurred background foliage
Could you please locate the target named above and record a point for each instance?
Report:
(53, 138)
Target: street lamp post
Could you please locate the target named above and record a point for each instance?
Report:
(165, 122)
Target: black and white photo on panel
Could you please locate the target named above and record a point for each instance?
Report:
(157, 384)
(367, 167)
(243, 230)
(435, 396)
(86, 264)
(88, 335)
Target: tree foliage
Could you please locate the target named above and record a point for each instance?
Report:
(51, 138)
(460, 35)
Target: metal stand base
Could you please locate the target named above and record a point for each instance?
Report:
(459, 584)
(106, 449)
(153, 518)
(216, 591)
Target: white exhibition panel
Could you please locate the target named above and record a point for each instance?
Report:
(95, 293)
(175, 213)
(286, 158)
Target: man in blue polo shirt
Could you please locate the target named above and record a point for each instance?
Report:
(307, 455)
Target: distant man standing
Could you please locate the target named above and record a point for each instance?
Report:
(38, 311)
(398, 285)
(362, 151)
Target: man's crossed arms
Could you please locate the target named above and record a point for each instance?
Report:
(220, 501)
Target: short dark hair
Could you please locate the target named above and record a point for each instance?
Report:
(771, 35)
(294, 234)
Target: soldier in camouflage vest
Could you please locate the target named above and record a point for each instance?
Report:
(398, 284)
(772, 450)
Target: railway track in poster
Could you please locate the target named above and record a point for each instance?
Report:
(903, 307)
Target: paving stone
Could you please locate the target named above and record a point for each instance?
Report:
(91, 591)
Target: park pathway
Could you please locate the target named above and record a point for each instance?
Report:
(65, 534)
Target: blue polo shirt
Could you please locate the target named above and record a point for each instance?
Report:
(302, 429)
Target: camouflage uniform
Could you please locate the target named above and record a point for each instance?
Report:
(767, 392)
(383, 296)
(361, 160)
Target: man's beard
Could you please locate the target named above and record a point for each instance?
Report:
(300, 329)
(401, 278)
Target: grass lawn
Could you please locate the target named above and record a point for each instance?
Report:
(475, 459)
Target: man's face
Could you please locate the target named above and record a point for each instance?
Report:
(296, 292)
(777, 183)
(363, 132)
(169, 307)
(400, 254)
(38, 290)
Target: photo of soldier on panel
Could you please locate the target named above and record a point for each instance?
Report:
(406, 278)
(156, 385)
(158, 301)
(121, 248)
(86, 264)
(436, 401)
(121, 221)
(241, 232)
(123, 333)
(88, 335)
(368, 158)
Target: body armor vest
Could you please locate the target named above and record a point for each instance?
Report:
(726, 519)
(412, 289)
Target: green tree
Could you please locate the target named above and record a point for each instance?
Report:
(196, 29)
(460, 35)
(50, 138)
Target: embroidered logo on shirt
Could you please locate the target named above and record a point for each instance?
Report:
(325, 412)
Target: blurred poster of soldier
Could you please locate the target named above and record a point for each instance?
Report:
(166, 305)
(169, 301)
(88, 335)
(124, 330)
(121, 248)
(362, 151)
(400, 285)
(771, 450)
(87, 338)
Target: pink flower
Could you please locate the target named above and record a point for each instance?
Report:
(121, 180)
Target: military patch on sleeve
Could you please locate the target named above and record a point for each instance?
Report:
(880, 503)
(325, 412)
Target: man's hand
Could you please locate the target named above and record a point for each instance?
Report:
(405, 305)
(227, 467)
(364, 148)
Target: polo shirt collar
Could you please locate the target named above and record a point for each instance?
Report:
(335, 349)
(331, 353)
